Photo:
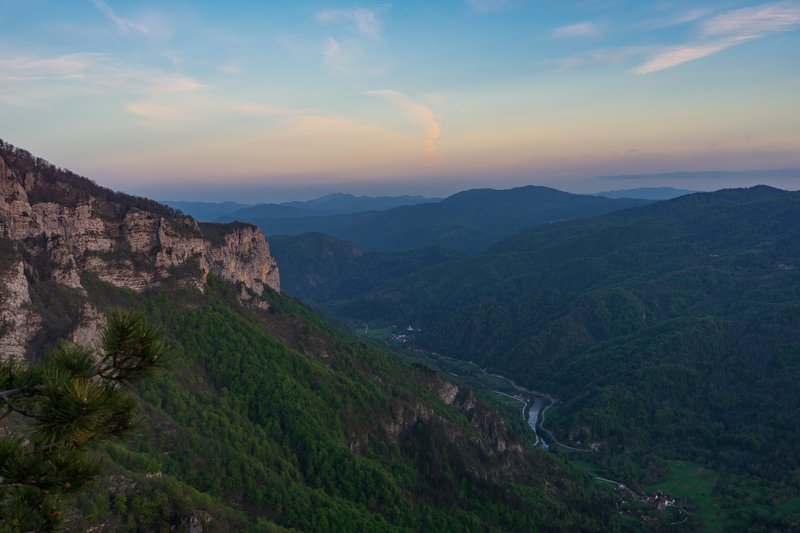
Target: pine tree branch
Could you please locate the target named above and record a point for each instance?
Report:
(11, 407)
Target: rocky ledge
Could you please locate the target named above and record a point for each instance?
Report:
(56, 226)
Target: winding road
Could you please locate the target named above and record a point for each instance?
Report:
(555, 440)
(533, 415)
(536, 412)
(524, 407)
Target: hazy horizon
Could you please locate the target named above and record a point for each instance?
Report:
(614, 183)
(309, 97)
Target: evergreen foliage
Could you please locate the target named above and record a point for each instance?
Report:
(53, 411)
(278, 419)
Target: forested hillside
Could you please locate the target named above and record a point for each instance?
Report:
(275, 419)
(318, 264)
(670, 331)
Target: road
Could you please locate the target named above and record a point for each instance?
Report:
(555, 440)
(537, 396)
(524, 407)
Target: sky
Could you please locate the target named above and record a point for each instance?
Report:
(277, 100)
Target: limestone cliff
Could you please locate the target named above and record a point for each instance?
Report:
(56, 227)
(240, 253)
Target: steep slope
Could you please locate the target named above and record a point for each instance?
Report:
(466, 222)
(270, 418)
(669, 331)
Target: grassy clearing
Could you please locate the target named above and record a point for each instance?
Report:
(695, 484)
(789, 506)
(586, 466)
(512, 404)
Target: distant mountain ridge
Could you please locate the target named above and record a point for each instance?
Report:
(349, 203)
(330, 204)
(728, 175)
(466, 222)
(646, 193)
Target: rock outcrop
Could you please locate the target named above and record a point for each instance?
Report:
(56, 227)
(490, 427)
(241, 255)
(18, 321)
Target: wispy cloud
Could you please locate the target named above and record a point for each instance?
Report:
(675, 20)
(487, 6)
(581, 29)
(55, 76)
(346, 50)
(176, 112)
(348, 57)
(337, 56)
(727, 30)
(158, 115)
(179, 112)
(757, 20)
(69, 66)
(689, 52)
(609, 55)
(249, 108)
(364, 22)
(170, 83)
(123, 24)
(418, 112)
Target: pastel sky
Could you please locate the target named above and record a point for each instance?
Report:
(273, 100)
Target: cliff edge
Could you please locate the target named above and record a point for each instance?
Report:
(56, 227)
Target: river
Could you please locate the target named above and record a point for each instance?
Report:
(533, 418)
(538, 403)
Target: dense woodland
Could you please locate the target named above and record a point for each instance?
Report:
(669, 331)
(279, 420)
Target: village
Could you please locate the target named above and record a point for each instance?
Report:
(653, 507)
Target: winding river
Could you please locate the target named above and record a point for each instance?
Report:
(535, 403)
(535, 407)
(533, 419)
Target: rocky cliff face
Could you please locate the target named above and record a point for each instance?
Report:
(241, 255)
(489, 425)
(56, 227)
